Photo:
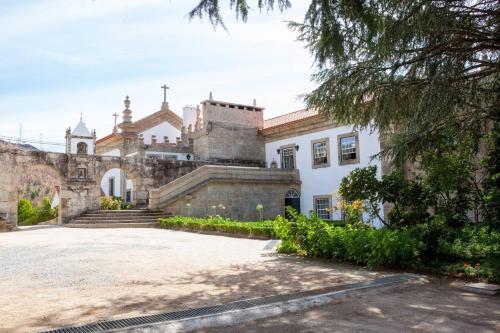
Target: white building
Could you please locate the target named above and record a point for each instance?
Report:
(323, 152)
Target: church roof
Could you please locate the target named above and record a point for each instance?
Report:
(157, 118)
(81, 130)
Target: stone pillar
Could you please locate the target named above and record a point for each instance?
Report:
(123, 184)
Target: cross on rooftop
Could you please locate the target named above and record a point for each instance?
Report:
(164, 87)
(115, 115)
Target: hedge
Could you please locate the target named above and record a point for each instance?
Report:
(217, 224)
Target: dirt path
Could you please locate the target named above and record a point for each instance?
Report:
(60, 276)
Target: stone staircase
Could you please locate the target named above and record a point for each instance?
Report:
(137, 218)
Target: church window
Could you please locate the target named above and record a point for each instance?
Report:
(322, 206)
(348, 146)
(320, 153)
(81, 148)
(288, 157)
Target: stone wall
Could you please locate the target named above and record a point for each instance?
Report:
(238, 189)
(230, 132)
(79, 194)
(231, 113)
(222, 141)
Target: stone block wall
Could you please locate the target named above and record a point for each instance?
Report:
(238, 189)
(230, 142)
(231, 113)
(230, 132)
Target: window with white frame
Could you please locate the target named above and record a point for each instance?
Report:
(323, 207)
(320, 153)
(348, 145)
(287, 158)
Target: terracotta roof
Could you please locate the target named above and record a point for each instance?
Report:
(290, 117)
(104, 138)
(152, 120)
(157, 118)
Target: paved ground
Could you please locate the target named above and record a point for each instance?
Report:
(52, 277)
(434, 306)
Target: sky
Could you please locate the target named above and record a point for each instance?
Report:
(60, 58)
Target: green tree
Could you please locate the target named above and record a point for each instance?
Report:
(362, 184)
(416, 70)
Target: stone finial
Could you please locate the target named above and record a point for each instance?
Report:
(197, 124)
(210, 97)
(127, 113)
(254, 102)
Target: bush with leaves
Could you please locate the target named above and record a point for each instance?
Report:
(219, 224)
(25, 210)
(110, 203)
(29, 215)
(410, 200)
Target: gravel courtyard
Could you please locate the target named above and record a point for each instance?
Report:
(54, 277)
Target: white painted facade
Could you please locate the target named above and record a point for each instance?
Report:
(116, 175)
(160, 131)
(113, 152)
(324, 181)
(88, 141)
(188, 116)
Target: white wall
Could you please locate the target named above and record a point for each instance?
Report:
(188, 116)
(161, 130)
(324, 181)
(89, 142)
(116, 174)
(113, 152)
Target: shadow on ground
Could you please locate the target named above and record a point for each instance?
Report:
(274, 275)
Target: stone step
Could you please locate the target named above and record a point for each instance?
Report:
(80, 221)
(123, 212)
(113, 225)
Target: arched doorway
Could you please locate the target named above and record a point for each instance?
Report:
(292, 199)
(38, 194)
(118, 182)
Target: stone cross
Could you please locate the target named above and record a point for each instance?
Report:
(115, 115)
(164, 87)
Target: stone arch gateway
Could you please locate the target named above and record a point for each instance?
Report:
(80, 177)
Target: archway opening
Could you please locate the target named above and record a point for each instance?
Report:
(38, 195)
(292, 199)
(118, 184)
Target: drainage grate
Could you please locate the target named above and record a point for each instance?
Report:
(104, 326)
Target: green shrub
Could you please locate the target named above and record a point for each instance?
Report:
(219, 224)
(110, 203)
(471, 252)
(28, 215)
(25, 211)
